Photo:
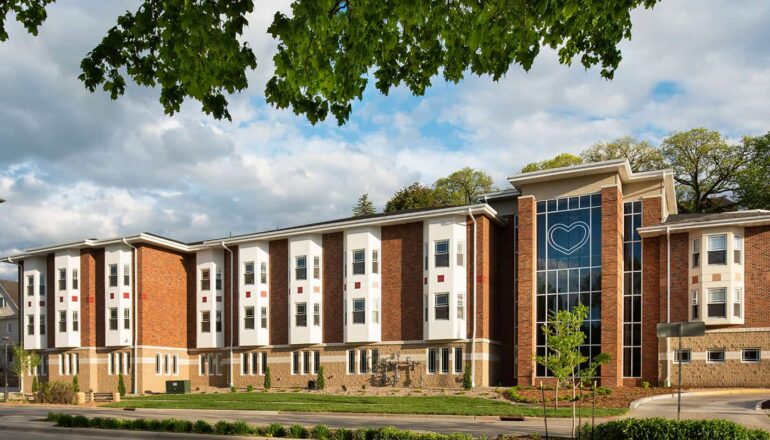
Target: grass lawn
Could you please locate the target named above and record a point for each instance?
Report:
(446, 405)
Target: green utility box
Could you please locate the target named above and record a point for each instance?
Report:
(177, 387)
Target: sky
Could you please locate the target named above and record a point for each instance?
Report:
(75, 164)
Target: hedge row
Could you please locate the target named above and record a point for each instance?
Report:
(667, 429)
(320, 432)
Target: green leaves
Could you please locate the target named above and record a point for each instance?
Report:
(30, 13)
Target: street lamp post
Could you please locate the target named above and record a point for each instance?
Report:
(5, 366)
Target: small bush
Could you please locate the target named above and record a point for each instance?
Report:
(75, 384)
(603, 391)
(297, 431)
(320, 381)
(267, 378)
(467, 379)
(233, 389)
(240, 428)
(202, 427)
(222, 427)
(321, 432)
(665, 429)
(276, 430)
(35, 385)
(121, 386)
(343, 434)
(513, 394)
(645, 385)
(80, 422)
(249, 388)
(55, 392)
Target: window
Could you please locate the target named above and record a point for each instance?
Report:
(244, 364)
(218, 322)
(30, 324)
(42, 285)
(166, 365)
(460, 253)
(263, 364)
(75, 281)
(62, 321)
(359, 262)
(42, 324)
(375, 261)
(442, 253)
(316, 314)
(445, 359)
(2, 302)
(716, 305)
(695, 307)
(300, 268)
(737, 248)
(219, 279)
(717, 252)
(113, 275)
(263, 272)
(301, 315)
(460, 306)
(737, 302)
(431, 360)
(441, 307)
(62, 279)
(351, 362)
(30, 285)
(305, 362)
(458, 360)
(254, 359)
(75, 321)
(75, 360)
(248, 318)
(248, 273)
(715, 356)
(750, 355)
(375, 355)
(211, 366)
(696, 252)
(317, 268)
(425, 253)
(363, 366)
(359, 311)
(126, 275)
(295, 359)
(205, 322)
(316, 361)
(202, 365)
(263, 317)
(113, 318)
(127, 318)
(157, 363)
(205, 279)
(682, 356)
(376, 311)
(219, 364)
(175, 364)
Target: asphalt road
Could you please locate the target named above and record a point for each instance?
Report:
(735, 407)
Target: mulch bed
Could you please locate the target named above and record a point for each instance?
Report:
(618, 397)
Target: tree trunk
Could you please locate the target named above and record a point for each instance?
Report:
(556, 399)
(573, 409)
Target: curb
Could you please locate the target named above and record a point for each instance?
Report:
(117, 433)
(637, 403)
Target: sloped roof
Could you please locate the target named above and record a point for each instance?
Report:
(12, 289)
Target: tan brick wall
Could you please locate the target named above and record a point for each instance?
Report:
(163, 293)
(526, 290)
(279, 292)
(757, 276)
(332, 288)
(402, 282)
(731, 373)
(612, 285)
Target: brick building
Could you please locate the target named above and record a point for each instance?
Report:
(415, 298)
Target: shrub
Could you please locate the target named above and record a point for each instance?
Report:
(240, 428)
(276, 430)
(467, 379)
(343, 434)
(513, 394)
(202, 427)
(603, 391)
(35, 385)
(297, 431)
(267, 378)
(221, 427)
(645, 385)
(80, 422)
(249, 388)
(321, 432)
(55, 392)
(121, 386)
(75, 384)
(665, 429)
(320, 381)
(233, 389)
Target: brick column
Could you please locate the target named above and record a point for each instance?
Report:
(279, 292)
(651, 304)
(612, 285)
(50, 300)
(231, 320)
(332, 288)
(526, 304)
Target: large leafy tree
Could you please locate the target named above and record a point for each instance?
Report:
(328, 49)
(640, 154)
(753, 191)
(463, 187)
(412, 196)
(364, 206)
(558, 161)
(706, 168)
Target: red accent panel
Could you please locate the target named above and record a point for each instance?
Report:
(263, 294)
(316, 289)
(74, 299)
(91, 300)
(357, 285)
(299, 289)
(248, 294)
(125, 295)
(29, 303)
(205, 299)
(112, 296)
(440, 278)
(61, 299)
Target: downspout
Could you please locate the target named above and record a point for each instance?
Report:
(230, 377)
(134, 280)
(473, 334)
(667, 382)
(20, 321)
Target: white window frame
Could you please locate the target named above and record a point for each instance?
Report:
(75, 280)
(716, 350)
(738, 302)
(358, 262)
(709, 292)
(709, 250)
(375, 261)
(695, 262)
(683, 351)
(62, 279)
(300, 267)
(263, 272)
(743, 355)
(460, 258)
(297, 314)
(436, 253)
(158, 364)
(248, 273)
(248, 318)
(737, 249)
(361, 312)
(112, 278)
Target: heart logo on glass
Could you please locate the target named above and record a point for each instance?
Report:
(568, 239)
